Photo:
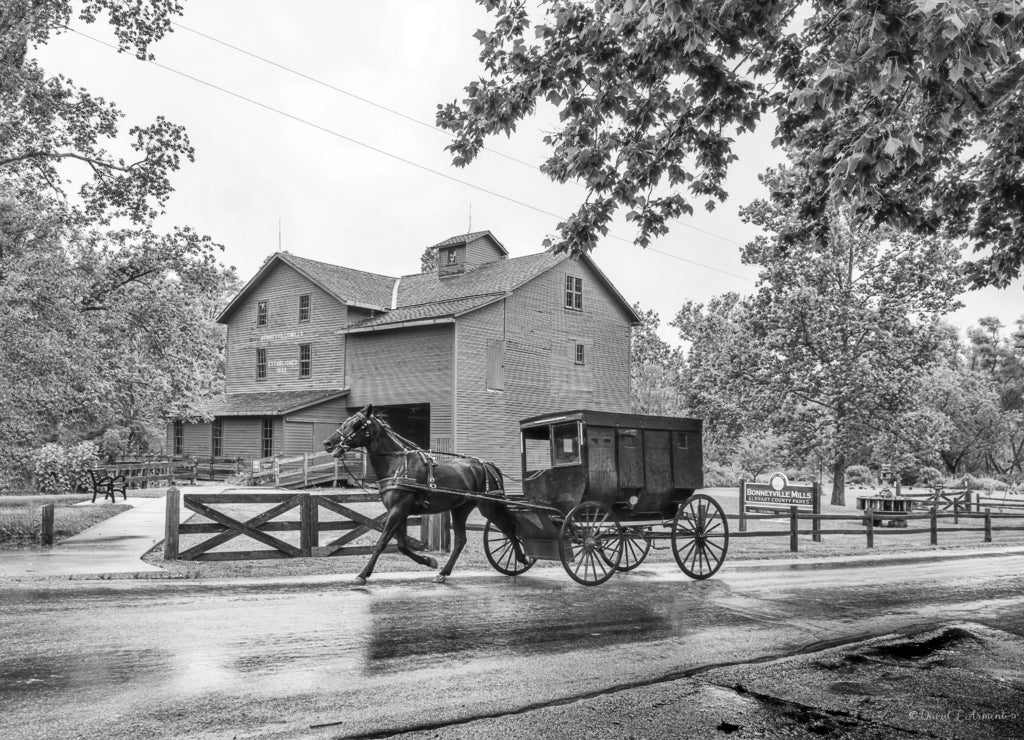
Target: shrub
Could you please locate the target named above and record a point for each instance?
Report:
(724, 476)
(983, 484)
(56, 469)
(860, 475)
(928, 476)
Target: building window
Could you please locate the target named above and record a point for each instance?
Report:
(304, 307)
(261, 364)
(574, 293)
(217, 447)
(261, 313)
(179, 437)
(268, 438)
(305, 360)
(453, 256)
(581, 356)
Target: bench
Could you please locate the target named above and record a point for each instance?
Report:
(108, 485)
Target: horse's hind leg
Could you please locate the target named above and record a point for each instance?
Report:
(395, 519)
(500, 517)
(459, 516)
(403, 547)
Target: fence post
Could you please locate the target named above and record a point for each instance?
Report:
(309, 529)
(435, 532)
(988, 525)
(794, 528)
(46, 524)
(869, 527)
(956, 510)
(172, 515)
(743, 505)
(305, 469)
(935, 526)
(816, 511)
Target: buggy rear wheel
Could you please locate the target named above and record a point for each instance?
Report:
(501, 552)
(700, 536)
(636, 545)
(590, 544)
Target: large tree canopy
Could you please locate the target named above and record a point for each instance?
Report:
(54, 133)
(906, 112)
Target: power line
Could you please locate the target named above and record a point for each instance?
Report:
(400, 114)
(384, 152)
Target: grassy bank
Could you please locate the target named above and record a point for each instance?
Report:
(20, 518)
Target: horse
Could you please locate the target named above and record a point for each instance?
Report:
(397, 462)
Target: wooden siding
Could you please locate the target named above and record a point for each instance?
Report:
(405, 366)
(540, 372)
(283, 334)
(197, 439)
(480, 251)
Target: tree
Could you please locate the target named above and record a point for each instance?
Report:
(653, 369)
(105, 324)
(428, 260)
(903, 113)
(51, 124)
(103, 329)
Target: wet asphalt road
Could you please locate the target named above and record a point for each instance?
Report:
(319, 658)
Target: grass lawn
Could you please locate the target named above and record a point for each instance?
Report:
(20, 518)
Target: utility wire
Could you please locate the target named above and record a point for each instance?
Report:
(386, 153)
(400, 114)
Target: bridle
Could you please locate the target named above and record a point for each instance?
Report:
(362, 420)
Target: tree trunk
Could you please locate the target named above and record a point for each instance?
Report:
(839, 480)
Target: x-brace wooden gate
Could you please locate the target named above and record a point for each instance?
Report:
(225, 527)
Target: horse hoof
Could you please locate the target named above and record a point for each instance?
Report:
(431, 563)
(359, 581)
(440, 578)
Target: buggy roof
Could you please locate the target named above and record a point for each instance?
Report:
(612, 419)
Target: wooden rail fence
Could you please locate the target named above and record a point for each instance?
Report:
(141, 474)
(870, 530)
(263, 526)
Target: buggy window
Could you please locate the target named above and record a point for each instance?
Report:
(548, 447)
(537, 448)
(566, 446)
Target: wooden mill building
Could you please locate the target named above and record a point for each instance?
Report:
(455, 357)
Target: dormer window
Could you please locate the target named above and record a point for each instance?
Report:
(573, 293)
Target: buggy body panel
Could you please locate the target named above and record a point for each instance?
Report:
(638, 465)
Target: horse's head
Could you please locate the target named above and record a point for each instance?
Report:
(353, 432)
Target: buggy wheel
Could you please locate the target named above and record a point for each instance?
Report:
(590, 544)
(501, 552)
(636, 545)
(700, 536)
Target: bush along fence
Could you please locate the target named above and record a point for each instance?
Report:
(305, 508)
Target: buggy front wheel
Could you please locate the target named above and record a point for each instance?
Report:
(590, 544)
(700, 536)
(501, 552)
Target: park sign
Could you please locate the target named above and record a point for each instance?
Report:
(781, 497)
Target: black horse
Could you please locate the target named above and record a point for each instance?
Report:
(397, 463)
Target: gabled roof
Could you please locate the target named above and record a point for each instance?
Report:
(278, 403)
(422, 297)
(467, 238)
(352, 287)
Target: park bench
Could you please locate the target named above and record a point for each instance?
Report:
(108, 485)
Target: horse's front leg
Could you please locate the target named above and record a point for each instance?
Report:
(395, 519)
(459, 516)
(403, 546)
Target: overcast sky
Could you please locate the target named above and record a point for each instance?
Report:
(355, 185)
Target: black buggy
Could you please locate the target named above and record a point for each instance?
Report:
(599, 488)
